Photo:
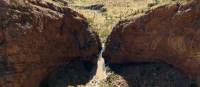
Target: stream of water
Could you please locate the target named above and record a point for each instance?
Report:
(100, 74)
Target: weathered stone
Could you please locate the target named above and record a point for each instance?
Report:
(169, 33)
(37, 36)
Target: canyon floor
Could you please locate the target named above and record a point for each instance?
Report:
(121, 75)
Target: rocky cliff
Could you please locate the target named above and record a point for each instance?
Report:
(168, 33)
(37, 36)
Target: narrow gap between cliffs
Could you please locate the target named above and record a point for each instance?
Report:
(102, 20)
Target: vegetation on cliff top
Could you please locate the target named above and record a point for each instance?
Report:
(104, 14)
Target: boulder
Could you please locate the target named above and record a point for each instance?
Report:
(168, 33)
(37, 36)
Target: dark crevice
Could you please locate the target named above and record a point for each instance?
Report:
(71, 74)
(62, 26)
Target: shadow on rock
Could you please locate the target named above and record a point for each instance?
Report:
(72, 74)
(150, 75)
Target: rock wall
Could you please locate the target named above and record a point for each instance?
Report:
(37, 36)
(168, 33)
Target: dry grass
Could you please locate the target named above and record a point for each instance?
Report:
(116, 10)
(102, 22)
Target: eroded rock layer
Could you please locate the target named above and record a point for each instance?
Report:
(37, 36)
(168, 33)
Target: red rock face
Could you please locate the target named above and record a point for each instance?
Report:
(38, 36)
(168, 33)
